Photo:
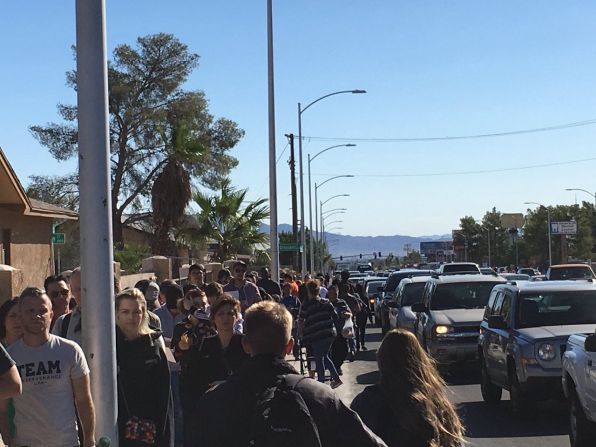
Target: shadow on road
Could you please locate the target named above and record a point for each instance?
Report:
(485, 421)
(462, 376)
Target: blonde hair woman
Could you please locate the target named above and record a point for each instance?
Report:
(409, 405)
(144, 395)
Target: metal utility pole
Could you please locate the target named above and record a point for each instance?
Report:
(99, 337)
(274, 238)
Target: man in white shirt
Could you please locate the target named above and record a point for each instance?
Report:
(55, 380)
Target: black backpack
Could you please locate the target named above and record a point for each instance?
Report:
(281, 417)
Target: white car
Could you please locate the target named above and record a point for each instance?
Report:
(408, 292)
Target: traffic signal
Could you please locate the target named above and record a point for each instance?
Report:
(341, 258)
(360, 255)
(379, 254)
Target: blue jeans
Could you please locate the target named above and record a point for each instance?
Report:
(321, 354)
(178, 427)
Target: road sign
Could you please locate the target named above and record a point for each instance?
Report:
(58, 238)
(569, 227)
(290, 246)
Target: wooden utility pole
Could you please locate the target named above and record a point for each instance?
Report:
(292, 163)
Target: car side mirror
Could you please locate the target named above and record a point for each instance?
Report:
(496, 322)
(419, 307)
(590, 343)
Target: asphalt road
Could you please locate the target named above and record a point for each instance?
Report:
(545, 425)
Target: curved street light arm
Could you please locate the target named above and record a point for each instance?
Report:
(333, 178)
(330, 94)
(335, 209)
(331, 147)
(333, 197)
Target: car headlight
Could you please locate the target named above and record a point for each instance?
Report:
(442, 329)
(372, 301)
(546, 352)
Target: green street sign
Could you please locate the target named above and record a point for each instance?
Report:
(290, 246)
(58, 238)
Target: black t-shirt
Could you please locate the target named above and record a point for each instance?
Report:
(5, 361)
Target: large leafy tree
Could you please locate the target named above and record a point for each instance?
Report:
(148, 107)
(225, 219)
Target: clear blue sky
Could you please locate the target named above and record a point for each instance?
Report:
(431, 68)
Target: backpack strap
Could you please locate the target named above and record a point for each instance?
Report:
(65, 324)
(292, 380)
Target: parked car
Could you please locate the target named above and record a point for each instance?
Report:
(487, 271)
(579, 386)
(569, 271)
(458, 268)
(524, 335)
(408, 292)
(381, 308)
(449, 316)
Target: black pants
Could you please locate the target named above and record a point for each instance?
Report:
(339, 351)
(360, 332)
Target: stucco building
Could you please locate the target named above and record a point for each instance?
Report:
(25, 234)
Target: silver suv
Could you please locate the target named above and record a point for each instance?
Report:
(449, 316)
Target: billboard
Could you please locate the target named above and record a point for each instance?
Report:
(569, 227)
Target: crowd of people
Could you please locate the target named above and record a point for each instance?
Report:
(204, 364)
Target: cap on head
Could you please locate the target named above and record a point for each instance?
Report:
(239, 264)
(193, 267)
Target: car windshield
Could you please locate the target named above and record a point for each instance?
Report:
(412, 293)
(515, 277)
(571, 273)
(461, 296)
(557, 308)
(373, 287)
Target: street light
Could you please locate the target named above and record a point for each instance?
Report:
(465, 244)
(300, 112)
(334, 209)
(333, 214)
(488, 235)
(321, 214)
(550, 253)
(583, 190)
(310, 197)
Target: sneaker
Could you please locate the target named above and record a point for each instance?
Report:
(340, 372)
(364, 348)
(312, 374)
(336, 383)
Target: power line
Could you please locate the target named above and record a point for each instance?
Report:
(483, 171)
(458, 137)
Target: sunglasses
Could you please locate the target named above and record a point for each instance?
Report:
(56, 294)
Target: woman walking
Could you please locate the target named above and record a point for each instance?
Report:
(409, 405)
(319, 330)
(144, 394)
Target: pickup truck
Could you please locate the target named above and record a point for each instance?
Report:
(524, 336)
(579, 386)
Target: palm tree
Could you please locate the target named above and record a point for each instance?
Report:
(171, 191)
(223, 219)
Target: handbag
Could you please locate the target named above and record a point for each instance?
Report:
(348, 329)
(136, 428)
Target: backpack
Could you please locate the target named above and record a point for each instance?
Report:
(281, 417)
(65, 324)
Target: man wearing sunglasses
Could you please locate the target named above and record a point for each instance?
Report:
(245, 291)
(57, 289)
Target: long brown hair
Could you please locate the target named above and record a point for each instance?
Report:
(415, 391)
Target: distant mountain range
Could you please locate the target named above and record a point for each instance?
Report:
(345, 245)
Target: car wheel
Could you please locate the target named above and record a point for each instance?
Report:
(519, 400)
(582, 431)
(491, 393)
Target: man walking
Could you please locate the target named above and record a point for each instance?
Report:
(244, 291)
(315, 417)
(55, 380)
(70, 325)
(57, 289)
(271, 287)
